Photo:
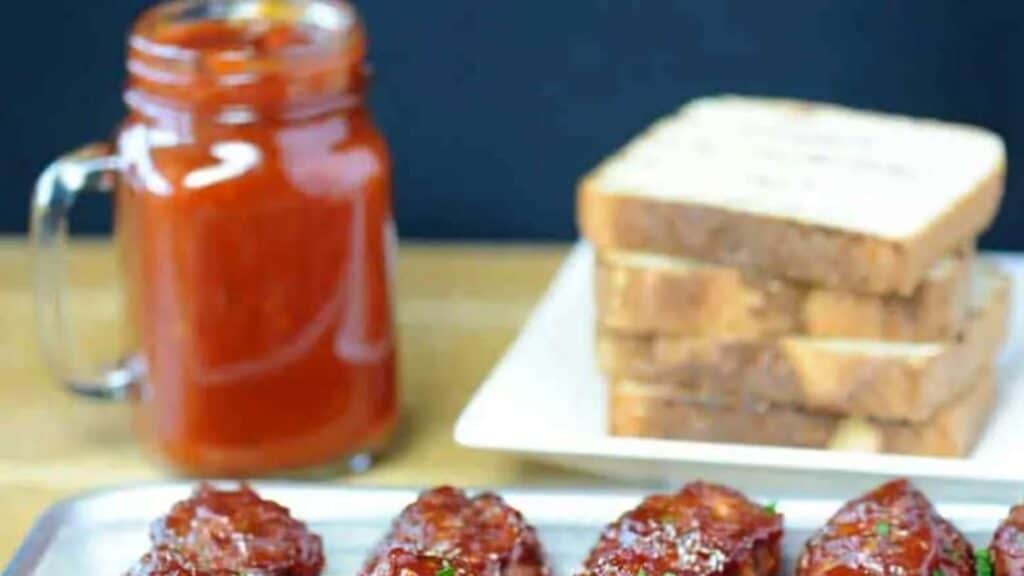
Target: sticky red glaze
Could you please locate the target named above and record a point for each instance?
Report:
(165, 561)
(219, 532)
(703, 529)
(399, 562)
(483, 531)
(1007, 549)
(891, 530)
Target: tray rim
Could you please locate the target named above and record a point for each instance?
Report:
(30, 551)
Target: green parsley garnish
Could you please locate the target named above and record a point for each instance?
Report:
(883, 529)
(938, 572)
(770, 507)
(641, 572)
(982, 562)
(446, 569)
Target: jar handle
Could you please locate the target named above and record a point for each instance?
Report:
(92, 168)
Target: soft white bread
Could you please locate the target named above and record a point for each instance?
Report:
(640, 410)
(811, 192)
(649, 293)
(887, 380)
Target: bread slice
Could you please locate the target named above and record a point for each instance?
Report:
(817, 193)
(645, 293)
(638, 410)
(888, 380)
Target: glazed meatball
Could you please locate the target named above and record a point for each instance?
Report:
(483, 532)
(703, 529)
(1007, 548)
(228, 532)
(400, 562)
(891, 530)
(168, 561)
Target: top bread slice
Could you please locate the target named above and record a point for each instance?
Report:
(815, 193)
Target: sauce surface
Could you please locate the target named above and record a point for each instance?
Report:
(256, 229)
(400, 562)
(702, 530)
(230, 532)
(891, 530)
(483, 533)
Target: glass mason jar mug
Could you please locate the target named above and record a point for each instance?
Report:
(254, 227)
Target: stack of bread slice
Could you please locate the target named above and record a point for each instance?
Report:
(781, 272)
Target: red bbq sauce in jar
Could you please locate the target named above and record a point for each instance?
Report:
(256, 231)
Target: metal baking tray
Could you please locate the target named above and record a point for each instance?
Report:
(101, 533)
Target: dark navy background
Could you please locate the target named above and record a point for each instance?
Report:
(493, 108)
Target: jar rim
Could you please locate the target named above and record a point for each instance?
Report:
(331, 23)
(251, 54)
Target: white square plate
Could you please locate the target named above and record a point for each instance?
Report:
(546, 399)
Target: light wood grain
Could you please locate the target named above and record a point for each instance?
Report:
(459, 306)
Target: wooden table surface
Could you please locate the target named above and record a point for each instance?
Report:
(459, 306)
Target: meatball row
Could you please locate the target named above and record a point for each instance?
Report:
(700, 530)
